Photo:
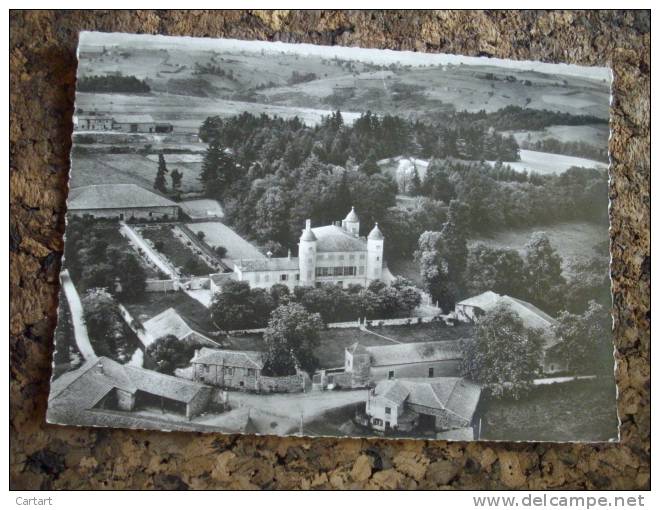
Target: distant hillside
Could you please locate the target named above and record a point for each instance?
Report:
(294, 80)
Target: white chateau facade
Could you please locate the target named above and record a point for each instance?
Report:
(330, 254)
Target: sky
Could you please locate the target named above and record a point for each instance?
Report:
(376, 56)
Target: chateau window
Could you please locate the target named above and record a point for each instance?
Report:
(297, 276)
(361, 256)
(309, 261)
(331, 256)
(378, 421)
(229, 370)
(266, 277)
(309, 275)
(284, 277)
(257, 278)
(388, 410)
(351, 256)
(341, 257)
(390, 374)
(361, 270)
(251, 372)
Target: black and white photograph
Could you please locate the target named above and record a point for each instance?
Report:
(289, 239)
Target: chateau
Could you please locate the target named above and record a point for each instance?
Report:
(330, 254)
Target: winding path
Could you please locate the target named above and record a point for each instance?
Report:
(77, 316)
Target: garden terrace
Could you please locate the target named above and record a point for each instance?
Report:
(181, 254)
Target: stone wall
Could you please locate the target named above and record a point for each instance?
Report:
(42, 81)
(286, 384)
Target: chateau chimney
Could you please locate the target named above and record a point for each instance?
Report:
(289, 254)
(100, 365)
(308, 224)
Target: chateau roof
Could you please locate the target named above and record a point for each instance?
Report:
(272, 264)
(352, 216)
(399, 354)
(453, 394)
(115, 196)
(376, 234)
(134, 119)
(243, 359)
(332, 238)
(307, 235)
(221, 278)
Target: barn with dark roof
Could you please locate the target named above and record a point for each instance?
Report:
(120, 201)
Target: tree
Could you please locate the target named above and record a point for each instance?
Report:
(505, 356)
(176, 177)
(170, 353)
(370, 165)
(585, 340)
(232, 308)
(499, 270)
(107, 329)
(219, 170)
(543, 273)
(131, 276)
(415, 183)
(291, 337)
(160, 183)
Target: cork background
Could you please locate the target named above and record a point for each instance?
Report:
(42, 81)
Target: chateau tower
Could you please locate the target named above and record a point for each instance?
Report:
(307, 255)
(351, 223)
(375, 242)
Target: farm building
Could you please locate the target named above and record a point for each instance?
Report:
(120, 201)
(240, 370)
(139, 124)
(364, 366)
(472, 309)
(329, 254)
(440, 404)
(169, 322)
(103, 384)
(93, 122)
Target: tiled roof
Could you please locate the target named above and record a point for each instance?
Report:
(485, 301)
(133, 119)
(221, 278)
(82, 389)
(163, 385)
(243, 359)
(168, 322)
(272, 264)
(454, 394)
(357, 348)
(333, 238)
(414, 352)
(115, 196)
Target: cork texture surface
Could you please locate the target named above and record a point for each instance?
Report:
(42, 83)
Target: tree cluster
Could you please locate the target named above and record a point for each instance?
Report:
(112, 83)
(93, 262)
(109, 335)
(496, 201)
(240, 307)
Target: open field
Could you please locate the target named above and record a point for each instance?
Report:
(574, 241)
(186, 113)
(219, 234)
(596, 134)
(103, 168)
(549, 413)
(548, 163)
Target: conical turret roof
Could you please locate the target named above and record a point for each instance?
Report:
(352, 216)
(376, 234)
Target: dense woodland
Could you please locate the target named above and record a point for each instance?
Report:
(112, 83)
